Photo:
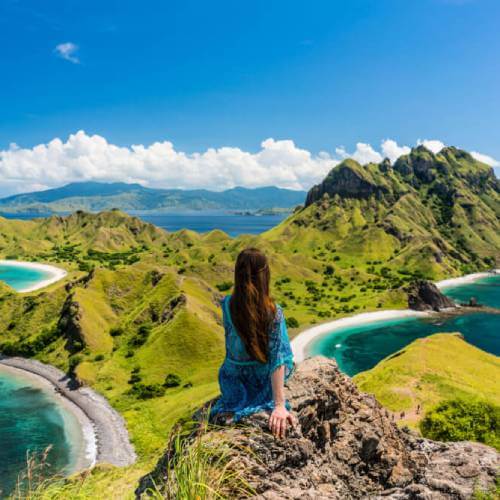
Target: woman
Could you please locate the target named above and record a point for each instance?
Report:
(258, 355)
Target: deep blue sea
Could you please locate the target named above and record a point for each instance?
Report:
(360, 348)
(200, 222)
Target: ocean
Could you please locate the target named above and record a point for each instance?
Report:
(30, 421)
(202, 222)
(360, 348)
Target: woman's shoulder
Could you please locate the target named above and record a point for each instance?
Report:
(278, 316)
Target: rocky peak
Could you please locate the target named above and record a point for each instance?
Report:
(348, 179)
(347, 446)
(425, 296)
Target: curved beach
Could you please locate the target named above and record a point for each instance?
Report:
(468, 278)
(104, 431)
(54, 273)
(301, 342)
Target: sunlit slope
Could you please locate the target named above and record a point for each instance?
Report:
(430, 370)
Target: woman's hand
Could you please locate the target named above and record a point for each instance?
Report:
(279, 420)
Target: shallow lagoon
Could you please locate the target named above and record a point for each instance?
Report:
(359, 348)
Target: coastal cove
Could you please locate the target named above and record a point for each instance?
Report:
(33, 417)
(79, 424)
(359, 342)
(29, 276)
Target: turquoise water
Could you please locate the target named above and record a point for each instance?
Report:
(359, 348)
(30, 420)
(19, 277)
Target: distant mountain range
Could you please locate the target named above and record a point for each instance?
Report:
(98, 196)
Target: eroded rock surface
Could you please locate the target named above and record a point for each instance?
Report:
(346, 446)
(425, 296)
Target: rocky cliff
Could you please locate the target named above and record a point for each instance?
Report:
(346, 446)
(425, 296)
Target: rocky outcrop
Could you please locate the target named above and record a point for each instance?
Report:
(69, 324)
(347, 180)
(425, 296)
(346, 446)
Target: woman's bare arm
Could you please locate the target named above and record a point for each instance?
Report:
(280, 417)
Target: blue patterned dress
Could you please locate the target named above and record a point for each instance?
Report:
(245, 384)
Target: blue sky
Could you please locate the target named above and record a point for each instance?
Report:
(229, 73)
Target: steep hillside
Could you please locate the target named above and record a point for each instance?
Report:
(97, 196)
(431, 370)
(432, 214)
(140, 303)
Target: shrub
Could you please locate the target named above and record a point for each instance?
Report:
(147, 391)
(463, 420)
(224, 286)
(141, 336)
(116, 331)
(329, 270)
(172, 380)
(99, 357)
(134, 378)
(291, 322)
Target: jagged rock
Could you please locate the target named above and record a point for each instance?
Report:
(425, 296)
(69, 324)
(345, 446)
(347, 179)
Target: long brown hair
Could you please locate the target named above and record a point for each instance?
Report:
(252, 309)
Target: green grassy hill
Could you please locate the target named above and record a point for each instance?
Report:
(430, 370)
(140, 303)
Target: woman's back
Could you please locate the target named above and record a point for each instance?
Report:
(245, 382)
(258, 354)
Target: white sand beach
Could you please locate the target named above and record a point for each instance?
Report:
(468, 278)
(301, 342)
(54, 273)
(102, 436)
(303, 339)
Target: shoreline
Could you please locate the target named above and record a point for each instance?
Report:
(86, 454)
(464, 280)
(105, 435)
(54, 273)
(301, 342)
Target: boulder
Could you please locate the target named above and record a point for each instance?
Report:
(425, 296)
(346, 446)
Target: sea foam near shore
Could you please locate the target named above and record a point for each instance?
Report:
(53, 273)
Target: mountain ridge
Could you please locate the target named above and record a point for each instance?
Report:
(97, 196)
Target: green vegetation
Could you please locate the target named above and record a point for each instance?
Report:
(201, 468)
(429, 371)
(463, 420)
(138, 316)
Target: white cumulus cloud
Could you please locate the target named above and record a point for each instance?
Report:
(432, 145)
(86, 157)
(485, 159)
(363, 154)
(391, 150)
(67, 51)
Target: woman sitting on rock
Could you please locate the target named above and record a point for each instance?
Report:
(258, 355)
